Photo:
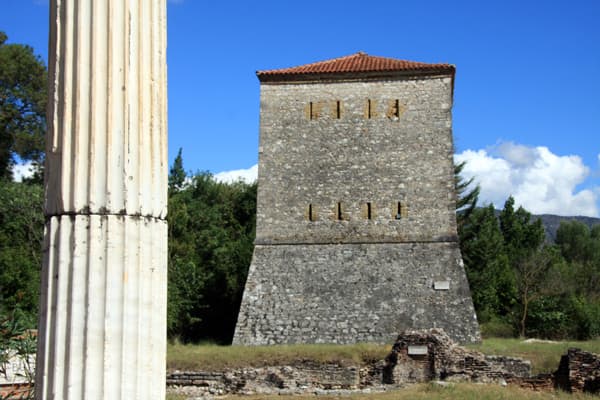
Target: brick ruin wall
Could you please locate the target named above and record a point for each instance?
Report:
(421, 356)
(356, 229)
(579, 371)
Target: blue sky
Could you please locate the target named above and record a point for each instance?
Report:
(527, 91)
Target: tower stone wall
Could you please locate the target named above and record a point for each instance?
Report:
(356, 228)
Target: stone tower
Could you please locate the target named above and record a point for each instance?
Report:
(356, 231)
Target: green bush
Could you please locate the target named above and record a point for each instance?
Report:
(21, 232)
(549, 318)
(586, 318)
(497, 328)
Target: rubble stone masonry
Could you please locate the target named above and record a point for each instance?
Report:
(356, 230)
(415, 357)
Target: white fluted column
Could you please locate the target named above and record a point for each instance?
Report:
(102, 331)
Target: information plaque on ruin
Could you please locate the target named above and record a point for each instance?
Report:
(415, 350)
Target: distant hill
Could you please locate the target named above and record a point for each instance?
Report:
(552, 222)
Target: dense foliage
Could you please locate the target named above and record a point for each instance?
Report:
(467, 195)
(23, 100)
(21, 230)
(524, 286)
(211, 236)
(520, 284)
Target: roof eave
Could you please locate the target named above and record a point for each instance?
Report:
(275, 77)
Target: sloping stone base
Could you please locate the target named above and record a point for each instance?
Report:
(349, 293)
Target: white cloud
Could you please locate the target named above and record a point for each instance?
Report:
(21, 171)
(247, 175)
(539, 180)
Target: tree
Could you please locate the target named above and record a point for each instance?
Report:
(211, 236)
(466, 200)
(23, 81)
(21, 232)
(539, 289)
(580, 246)
(522, 237)
(177, 174)
(490, 276)
(537, 276)
(578, 242)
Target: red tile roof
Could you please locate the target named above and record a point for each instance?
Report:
(355, 64)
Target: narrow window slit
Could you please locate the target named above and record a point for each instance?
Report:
(310, 213)
(369, 111)
(338, 110)
(399, 211)
(368, 210)
(310, 110)
(339, 211)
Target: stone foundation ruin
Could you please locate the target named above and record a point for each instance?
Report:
(416, 357)
(421, 356)
(578, 371)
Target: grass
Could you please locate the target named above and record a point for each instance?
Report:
(173, 396)
(431, 391)
(209, 357)
(544, 356)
